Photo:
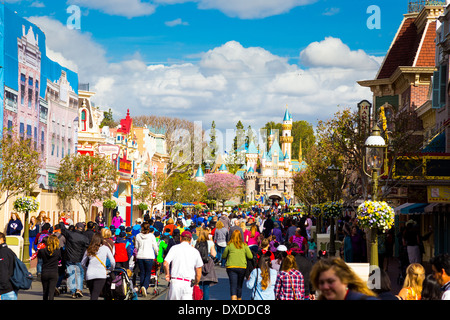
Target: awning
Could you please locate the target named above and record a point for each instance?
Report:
(414, 208)
(121, 203)
(405, 205)
(429, 208)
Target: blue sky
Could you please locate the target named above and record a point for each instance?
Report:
(220, 60)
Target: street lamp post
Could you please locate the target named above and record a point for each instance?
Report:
(375, 148)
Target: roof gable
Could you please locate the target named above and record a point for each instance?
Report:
(403, 50)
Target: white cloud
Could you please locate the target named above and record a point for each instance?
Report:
(229, 83)
(176, 22)
(247, 9)
(126, 8)
(332, 52)
(253, 9)
(331, 11)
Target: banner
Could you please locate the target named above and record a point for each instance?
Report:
(439, 194)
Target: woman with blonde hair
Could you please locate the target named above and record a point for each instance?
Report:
(236, 253)
(412, 286)
(50, 255)
(337, 281)
(107, 241)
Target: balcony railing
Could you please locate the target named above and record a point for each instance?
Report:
(418, 5)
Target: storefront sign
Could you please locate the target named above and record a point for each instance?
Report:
(438, 194)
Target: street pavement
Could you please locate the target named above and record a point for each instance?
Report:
(220, 291)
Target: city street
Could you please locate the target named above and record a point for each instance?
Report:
(217, 292)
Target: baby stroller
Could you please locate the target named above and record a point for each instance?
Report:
(154, 282)
(118, 286)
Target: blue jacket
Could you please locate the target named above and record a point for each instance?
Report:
(353, 295)
(14, 228)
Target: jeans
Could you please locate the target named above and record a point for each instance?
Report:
(145, 271)
(39, 266)
(76, 276)
(220, 251)
(204, 285)
(9, 296)
(236, 277)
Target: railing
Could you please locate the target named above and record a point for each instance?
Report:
(418, 5)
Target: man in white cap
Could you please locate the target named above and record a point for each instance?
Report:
(183, 268)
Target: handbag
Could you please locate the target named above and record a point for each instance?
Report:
(197, 293)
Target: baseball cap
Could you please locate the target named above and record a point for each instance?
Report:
(186, 234)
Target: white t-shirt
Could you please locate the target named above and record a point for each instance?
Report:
(184, 259)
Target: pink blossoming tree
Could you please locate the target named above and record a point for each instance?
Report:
(223, 186)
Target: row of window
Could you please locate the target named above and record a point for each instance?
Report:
(32, 134)
(32, 88)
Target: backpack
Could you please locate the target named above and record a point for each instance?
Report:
(202, 247)
(21, 278)
(299, 241)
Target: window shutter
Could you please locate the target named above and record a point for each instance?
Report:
(436, 96)
(443, 85)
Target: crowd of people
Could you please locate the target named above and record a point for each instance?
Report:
(272, 253)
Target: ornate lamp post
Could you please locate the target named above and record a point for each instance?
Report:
(375, 148)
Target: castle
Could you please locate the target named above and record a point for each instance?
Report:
(268, 176)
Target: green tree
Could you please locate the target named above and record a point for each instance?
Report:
(86, 179)
(20, 164)
(151, 189)
(108, 120)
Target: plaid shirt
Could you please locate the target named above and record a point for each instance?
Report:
(289, 283)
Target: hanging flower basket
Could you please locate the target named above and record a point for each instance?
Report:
(109, 204)
(317, 210)
(375, 214)
(332, 209)
(26, 204)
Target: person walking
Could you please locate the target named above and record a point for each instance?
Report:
(50, 256)
(94, 260)
(440, 265)
(207, 251)
(262, 280)
(412, 286)
(289, 284)
(76, 245)
(337, 281)
(7, 259)
(251, 238)
(236, 253)
(220, 240)
(32, 233)
(431, 289)
(146, 252)
(183, 269)
(117, 220)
